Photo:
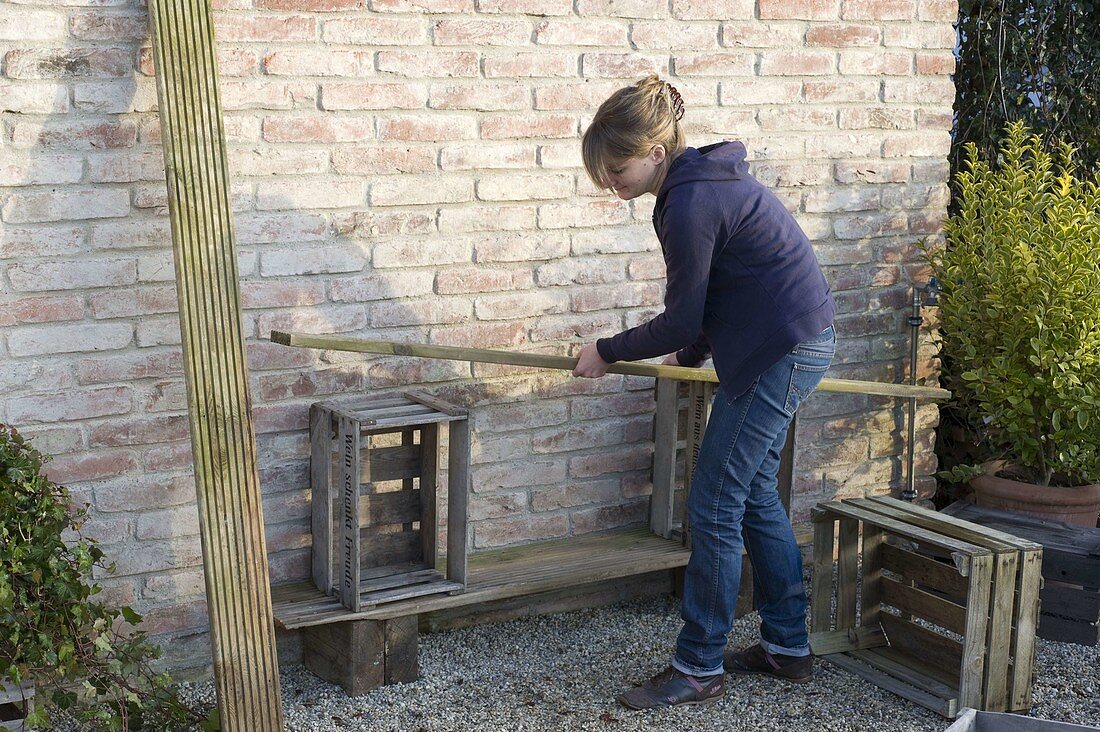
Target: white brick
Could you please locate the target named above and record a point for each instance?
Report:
(524, 187)
(116, 97)
(132, 235)
(487, 218)
(521, 305)
(410, 190)
(29, 169)
(100, 203)
(303, 193)
(311, 261)
(85, 337)
(618, 240)
(581, 271)
(44, 241)
(72, 275)
(25, 25)
(482, 156)
(522, 246)
(435, 311)
(381, 286)
(126, 166)
(34, 98)
(421, 253)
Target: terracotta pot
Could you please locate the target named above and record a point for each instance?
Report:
(1076, 505)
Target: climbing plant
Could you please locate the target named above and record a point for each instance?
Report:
(84, 656)
(1035, 61)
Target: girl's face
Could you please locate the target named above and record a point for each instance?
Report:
(632, 177)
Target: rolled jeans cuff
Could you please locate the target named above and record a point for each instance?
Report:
(685, 668)
(784, 651)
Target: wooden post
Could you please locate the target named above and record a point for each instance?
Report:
(223, 441)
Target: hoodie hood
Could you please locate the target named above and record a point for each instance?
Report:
(720, 161)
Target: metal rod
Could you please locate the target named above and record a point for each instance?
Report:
(539, 360)
(915, 320)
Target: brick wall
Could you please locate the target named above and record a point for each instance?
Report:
(409, 169)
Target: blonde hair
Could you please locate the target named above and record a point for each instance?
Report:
(629, 123)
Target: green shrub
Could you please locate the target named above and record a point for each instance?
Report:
(83, 656)
(1020, 309)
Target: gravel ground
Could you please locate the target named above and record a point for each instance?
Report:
(561, 672)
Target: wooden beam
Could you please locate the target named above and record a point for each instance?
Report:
(544, 361)
(223, 440)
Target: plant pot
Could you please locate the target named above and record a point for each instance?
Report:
(1077, 505)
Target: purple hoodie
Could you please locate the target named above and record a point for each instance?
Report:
(743, 283)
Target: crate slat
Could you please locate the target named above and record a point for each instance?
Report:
(909, 599)
(821, 583)
(846, 568)
(923, 570)
(394, 507)
(887, 680)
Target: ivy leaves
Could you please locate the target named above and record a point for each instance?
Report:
(83, 655)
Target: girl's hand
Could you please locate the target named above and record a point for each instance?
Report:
(671, 360)
(590, 364)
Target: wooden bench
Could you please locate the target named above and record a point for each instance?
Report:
(377, 644)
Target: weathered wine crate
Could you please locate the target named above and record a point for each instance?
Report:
(375, 470)
(16, 702)
(1070, 598)
(933, 608)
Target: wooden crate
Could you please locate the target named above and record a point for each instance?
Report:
(374, 472)
(16, 702)
(683, 410)
(1069, 609)
(934, 609)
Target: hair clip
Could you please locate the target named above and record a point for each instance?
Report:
(677, 101)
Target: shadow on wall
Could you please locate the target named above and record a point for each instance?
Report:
(95, 372)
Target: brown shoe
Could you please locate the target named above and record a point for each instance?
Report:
(756, 660)
(673, 688)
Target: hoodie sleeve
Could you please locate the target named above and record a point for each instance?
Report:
(689, 229)
(694, 354)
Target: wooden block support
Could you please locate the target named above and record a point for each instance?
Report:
(954, 603)
(361, 655)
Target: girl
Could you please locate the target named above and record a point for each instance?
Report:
(743, 287)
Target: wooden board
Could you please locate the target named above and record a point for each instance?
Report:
(911, 600)
(924, 571)
(946, 707)
(504, 573)
(322, 499)
(926, 646)
(458, 499)
(1068, 630)
(541, 360)
(662, 501)
(821, 581)
(428, 453)
(348, 440)
(846, 567)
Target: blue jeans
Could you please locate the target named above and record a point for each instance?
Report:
(734, 502)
